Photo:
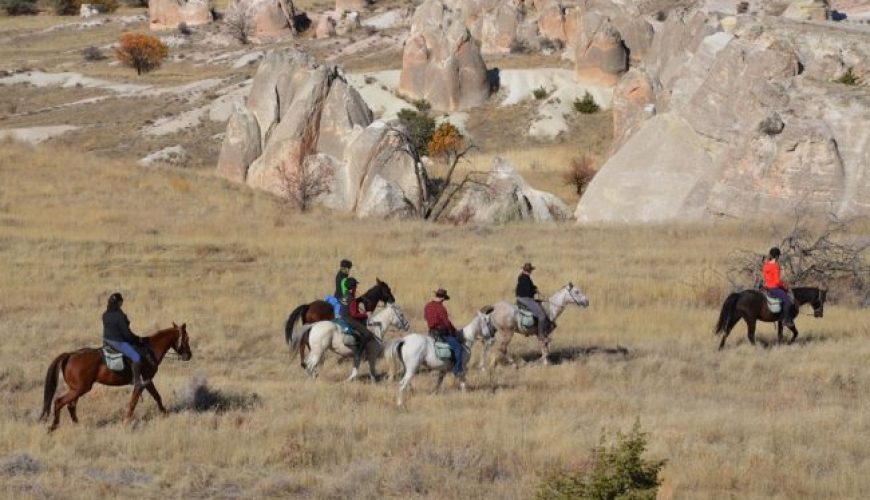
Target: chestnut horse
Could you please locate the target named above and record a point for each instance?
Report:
(751, 306)
(320, 310)
(82, 368)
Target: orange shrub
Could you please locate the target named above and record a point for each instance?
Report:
(141, 51)
(446, 140)
(579, 174)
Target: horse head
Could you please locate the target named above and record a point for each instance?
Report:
(386, 295)
(487, 330)
(182, 342)
(576, 296)
(399, 320)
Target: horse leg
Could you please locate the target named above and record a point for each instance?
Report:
(406, 380)
(750, 331)
(483, 356)
(779, 332)
(372, 358)
(545, 350)
(134, 400)
(357, 359)
(441, 375)
(59, 402)
(156, 395)
(794, 333)
(731, 324)
(71, 407)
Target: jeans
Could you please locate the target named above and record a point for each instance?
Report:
(126, 349)
(456, 347)
(538, 311)
(336, 305)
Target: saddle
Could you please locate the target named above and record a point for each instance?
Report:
(525, 319)
(349, 337)
(114, 360)
(773, 303)
(443, 351)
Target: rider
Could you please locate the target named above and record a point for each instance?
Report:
(117, 334)
(775, 286)
(526, 291)
(440, 327)
(354, 313)
(343, 274)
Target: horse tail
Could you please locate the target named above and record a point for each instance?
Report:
(728, 311)
(300, 342)
(295, 316)
(54, 368)
(393, 353)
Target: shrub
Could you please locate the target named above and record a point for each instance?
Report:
(302, 185)
(240, 25)
(849, 78)
(419, 127)
(615, 471)
(587, 105)
(445, 141)
(140, 51)
(93, 54)
(67, 7)
(540, 93)
(742, 7)
(107, 5)
(422, 105)
(579, 174)
(19, 7)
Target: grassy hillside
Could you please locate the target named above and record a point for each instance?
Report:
(781, 422)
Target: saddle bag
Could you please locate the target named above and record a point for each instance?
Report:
(773, 303)
(114, 360)
(443, 351)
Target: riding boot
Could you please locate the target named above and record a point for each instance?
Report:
(138, 381)
(788, 316)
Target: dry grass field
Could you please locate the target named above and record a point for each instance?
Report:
(749, 422)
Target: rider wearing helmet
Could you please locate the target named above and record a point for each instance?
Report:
(341, 276)
(441, 328)
(117, 334)
(526, 291)
(776, 287)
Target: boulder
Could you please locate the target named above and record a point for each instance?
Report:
(342, 6)
(324, 27)
(304, 115)
(441, 62)
(601, 57)
(269, 19)
(746, 124)
(808, 10)
(551, 22)
(168, 14)
(505, 196)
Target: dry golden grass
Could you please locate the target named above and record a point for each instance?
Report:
(778, 422)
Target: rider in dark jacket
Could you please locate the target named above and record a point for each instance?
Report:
(343, 274)
(349, 301)
(117, 334)
(526, 291)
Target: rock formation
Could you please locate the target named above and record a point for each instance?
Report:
(601, 57)
(808, 10)
(441, 62)
(342, 6)
(302, 113)
(744, 124)
(269, 19)
(504, 197)
(168, 14)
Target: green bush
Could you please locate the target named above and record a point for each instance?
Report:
(587, 105)
(617, 471)
(540, 93)
(419, 126)
(67, 7)
(422, 105)
(19, 7)
(849, 78)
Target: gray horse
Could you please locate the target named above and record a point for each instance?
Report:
(504, 318)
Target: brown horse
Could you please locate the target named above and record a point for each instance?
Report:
(751, 306)
(82, 368)
(320, 310)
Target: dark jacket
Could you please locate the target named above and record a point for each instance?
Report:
(116, 327)
(525, 287)
(339, 289)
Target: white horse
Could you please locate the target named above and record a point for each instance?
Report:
(504, 318)
(414, 351)
(327, 335)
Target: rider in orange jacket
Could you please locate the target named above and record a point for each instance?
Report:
(775, 286)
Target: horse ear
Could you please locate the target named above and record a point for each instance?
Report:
(570, 285)
(184, 326)
(174, 325)
(378, 280)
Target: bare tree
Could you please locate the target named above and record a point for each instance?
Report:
(303, 184)
(239, 24)
(810, 256)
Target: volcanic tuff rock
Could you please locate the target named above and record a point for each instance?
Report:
(168, 14)
(743, 123)
(601, 57)
(505, 196)
(441, 62)
(271, 19)
(303, 113)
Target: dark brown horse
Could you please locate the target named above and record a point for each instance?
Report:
(320, 310)
(82, 368)
(751, 306)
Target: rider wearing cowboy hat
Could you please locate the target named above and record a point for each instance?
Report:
(441, 328)
(526, 291)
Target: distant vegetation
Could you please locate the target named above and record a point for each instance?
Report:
(587, 105)
(615, 471)
(579, 174)
(140, 51)
(67, 7)
(540, 93)
(19, 7)
(849, 78)
(419, 127)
